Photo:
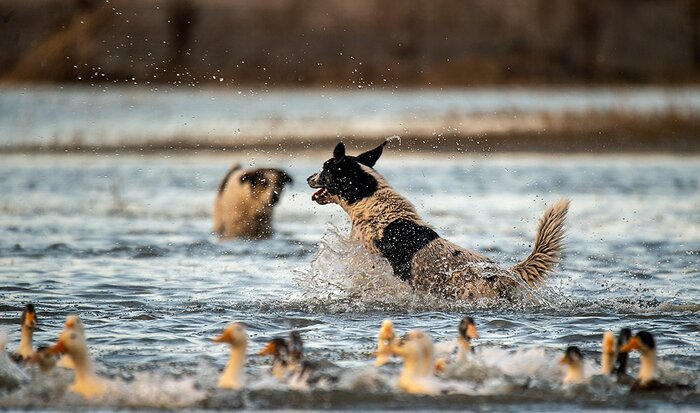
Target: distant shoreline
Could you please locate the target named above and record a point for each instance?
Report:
(128, 120)
(589, 133)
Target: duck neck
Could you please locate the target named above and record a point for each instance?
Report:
(279, 367)
(607, 363)
(25, 342)
(647, 367)
(83, 367)
(412, 369)
(463, 349)
(234, 368)
(574, 373)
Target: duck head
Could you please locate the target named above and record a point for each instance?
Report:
(234, 335)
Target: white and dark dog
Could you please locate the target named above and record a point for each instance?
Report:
(245, 202)
(387, 224)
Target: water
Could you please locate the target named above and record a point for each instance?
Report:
(124, 241)
(127, 116)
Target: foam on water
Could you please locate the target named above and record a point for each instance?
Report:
(346, 277)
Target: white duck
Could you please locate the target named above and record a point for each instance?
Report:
(416, 350)
(573, 360)
(86, 384)
(25, 351)
(72, 323)
(234, 335)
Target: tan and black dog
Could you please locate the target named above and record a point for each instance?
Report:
(245, 202)
(386, 223)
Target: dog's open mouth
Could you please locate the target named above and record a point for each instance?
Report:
(321, 197)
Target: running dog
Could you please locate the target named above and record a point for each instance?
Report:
(387, 224)
(245, 202)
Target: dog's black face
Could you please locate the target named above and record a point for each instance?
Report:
(342, 176)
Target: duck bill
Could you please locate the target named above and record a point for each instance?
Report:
(633, 344)
(223, 338)
(268, 350)
(471, 331)
(58, 348)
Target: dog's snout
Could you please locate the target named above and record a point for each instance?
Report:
(312, 180)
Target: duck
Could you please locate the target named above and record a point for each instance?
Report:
(43, 358)
(620, 369)
(466, 331)
(86, 384)
(303, 372)
(295, 369)
(73, 323)
(278, 349)
(295, 350)
(28, 322)
(233, 376)
(646, 381)
(417, 375)
(573, 360)
(385, 339)
(607, 360)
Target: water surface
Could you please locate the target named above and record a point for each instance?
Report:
(124, 241)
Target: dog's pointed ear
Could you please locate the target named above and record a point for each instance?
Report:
(339, 151)
(371, 157)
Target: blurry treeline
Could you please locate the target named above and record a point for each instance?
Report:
(350, 42)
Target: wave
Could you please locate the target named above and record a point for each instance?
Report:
(344, 276)
(272, 248)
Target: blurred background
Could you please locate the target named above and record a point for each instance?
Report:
(613, 75)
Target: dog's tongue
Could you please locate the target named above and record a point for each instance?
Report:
(317, 194)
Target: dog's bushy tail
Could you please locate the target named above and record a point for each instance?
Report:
(548, 245)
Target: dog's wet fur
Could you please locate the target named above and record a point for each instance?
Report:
(245, 202)
(387, 224)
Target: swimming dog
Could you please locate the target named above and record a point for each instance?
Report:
(387, 224)
(245, 201)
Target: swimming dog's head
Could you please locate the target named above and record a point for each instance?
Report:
(266, 184)
(346, 178)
